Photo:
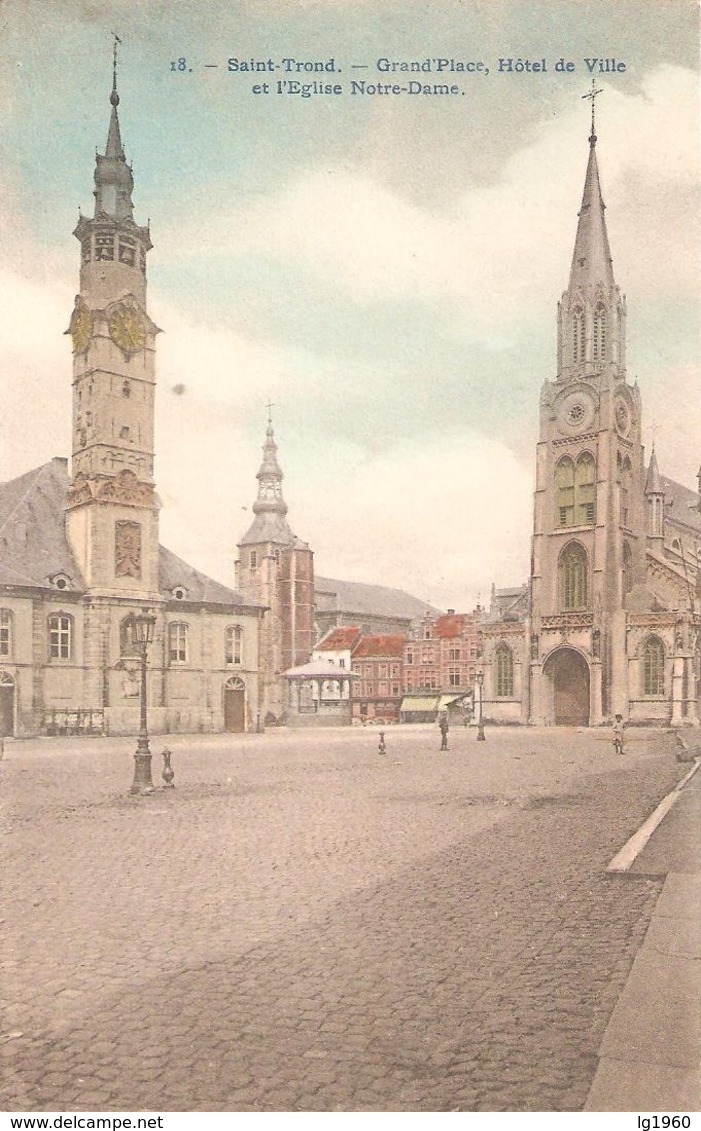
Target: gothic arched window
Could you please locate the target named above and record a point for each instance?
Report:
(178, 633)
(578, 327)
(234, 644)
(599, 333)
(564, 488)
(653, 667)
(585, 490)
(572, 572)
(504, 671)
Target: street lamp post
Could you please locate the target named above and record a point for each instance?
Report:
(143, 625)
(480, 720)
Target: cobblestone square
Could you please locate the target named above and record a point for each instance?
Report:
(304, 924)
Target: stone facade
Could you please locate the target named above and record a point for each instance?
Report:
(80, 555)
(613, 616)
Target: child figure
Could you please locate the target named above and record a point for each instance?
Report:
(618, 735)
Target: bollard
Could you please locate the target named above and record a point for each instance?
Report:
(168, 771)
(382, 749)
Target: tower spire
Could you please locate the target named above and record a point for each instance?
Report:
(591, 261)
(269, 508)
(114, 182)
(591, 314)
(114, 146)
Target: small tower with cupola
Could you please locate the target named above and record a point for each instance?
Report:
(111, 507)
(276, 567)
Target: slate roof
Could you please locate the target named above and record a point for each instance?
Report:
(684, 508)
(174, 572)
(34, 547)
(33, 544)
(359, 598)
(509, 604)
(269, 526)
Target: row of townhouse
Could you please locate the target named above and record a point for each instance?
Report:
(404, 676)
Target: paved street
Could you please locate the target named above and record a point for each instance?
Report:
(305, 925)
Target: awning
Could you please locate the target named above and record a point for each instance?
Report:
(316, 669)
(447, 700)
(419, 703)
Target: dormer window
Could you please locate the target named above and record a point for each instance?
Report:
(60, 581)
(180, 593)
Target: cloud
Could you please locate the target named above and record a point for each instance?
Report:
(440, 516)
(480, 252)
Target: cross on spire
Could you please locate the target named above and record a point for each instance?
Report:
(653, 428)
(269, 407)
(592, 94)
(117, 40)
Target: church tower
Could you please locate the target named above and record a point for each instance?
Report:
(277, 569)
(111, 507)
(589, 536)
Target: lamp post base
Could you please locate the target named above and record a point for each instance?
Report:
(143, 782)
(481, 737)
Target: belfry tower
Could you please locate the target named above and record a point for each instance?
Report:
(276, 568)
(111, 507)
(589, 534)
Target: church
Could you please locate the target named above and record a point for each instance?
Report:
(79, 546)
(612, 621)
(608, 624)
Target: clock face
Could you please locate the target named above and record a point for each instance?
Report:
(81, 328)
(623, 418)
(127, 329)
(575, 413)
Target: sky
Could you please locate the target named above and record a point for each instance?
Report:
(385, 269)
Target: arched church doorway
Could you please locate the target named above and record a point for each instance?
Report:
(568, 673)
(235, 705)
(7, 705)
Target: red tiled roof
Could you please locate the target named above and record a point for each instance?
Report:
(380, 644)
(342, 637)
(454, 624)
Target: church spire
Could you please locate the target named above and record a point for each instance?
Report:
(654, 493)
(591, 315)
(591, 260)
(653, 485)
(114, 182)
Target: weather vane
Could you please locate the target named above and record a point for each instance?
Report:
(592, 94)
(269, 407)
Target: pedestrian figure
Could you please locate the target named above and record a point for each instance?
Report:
(443, 724)
(618, 735)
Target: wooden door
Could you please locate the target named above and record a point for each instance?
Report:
(234, 709)
(7, 709)
(570, 676)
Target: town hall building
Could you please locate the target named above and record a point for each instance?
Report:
(79, 546)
